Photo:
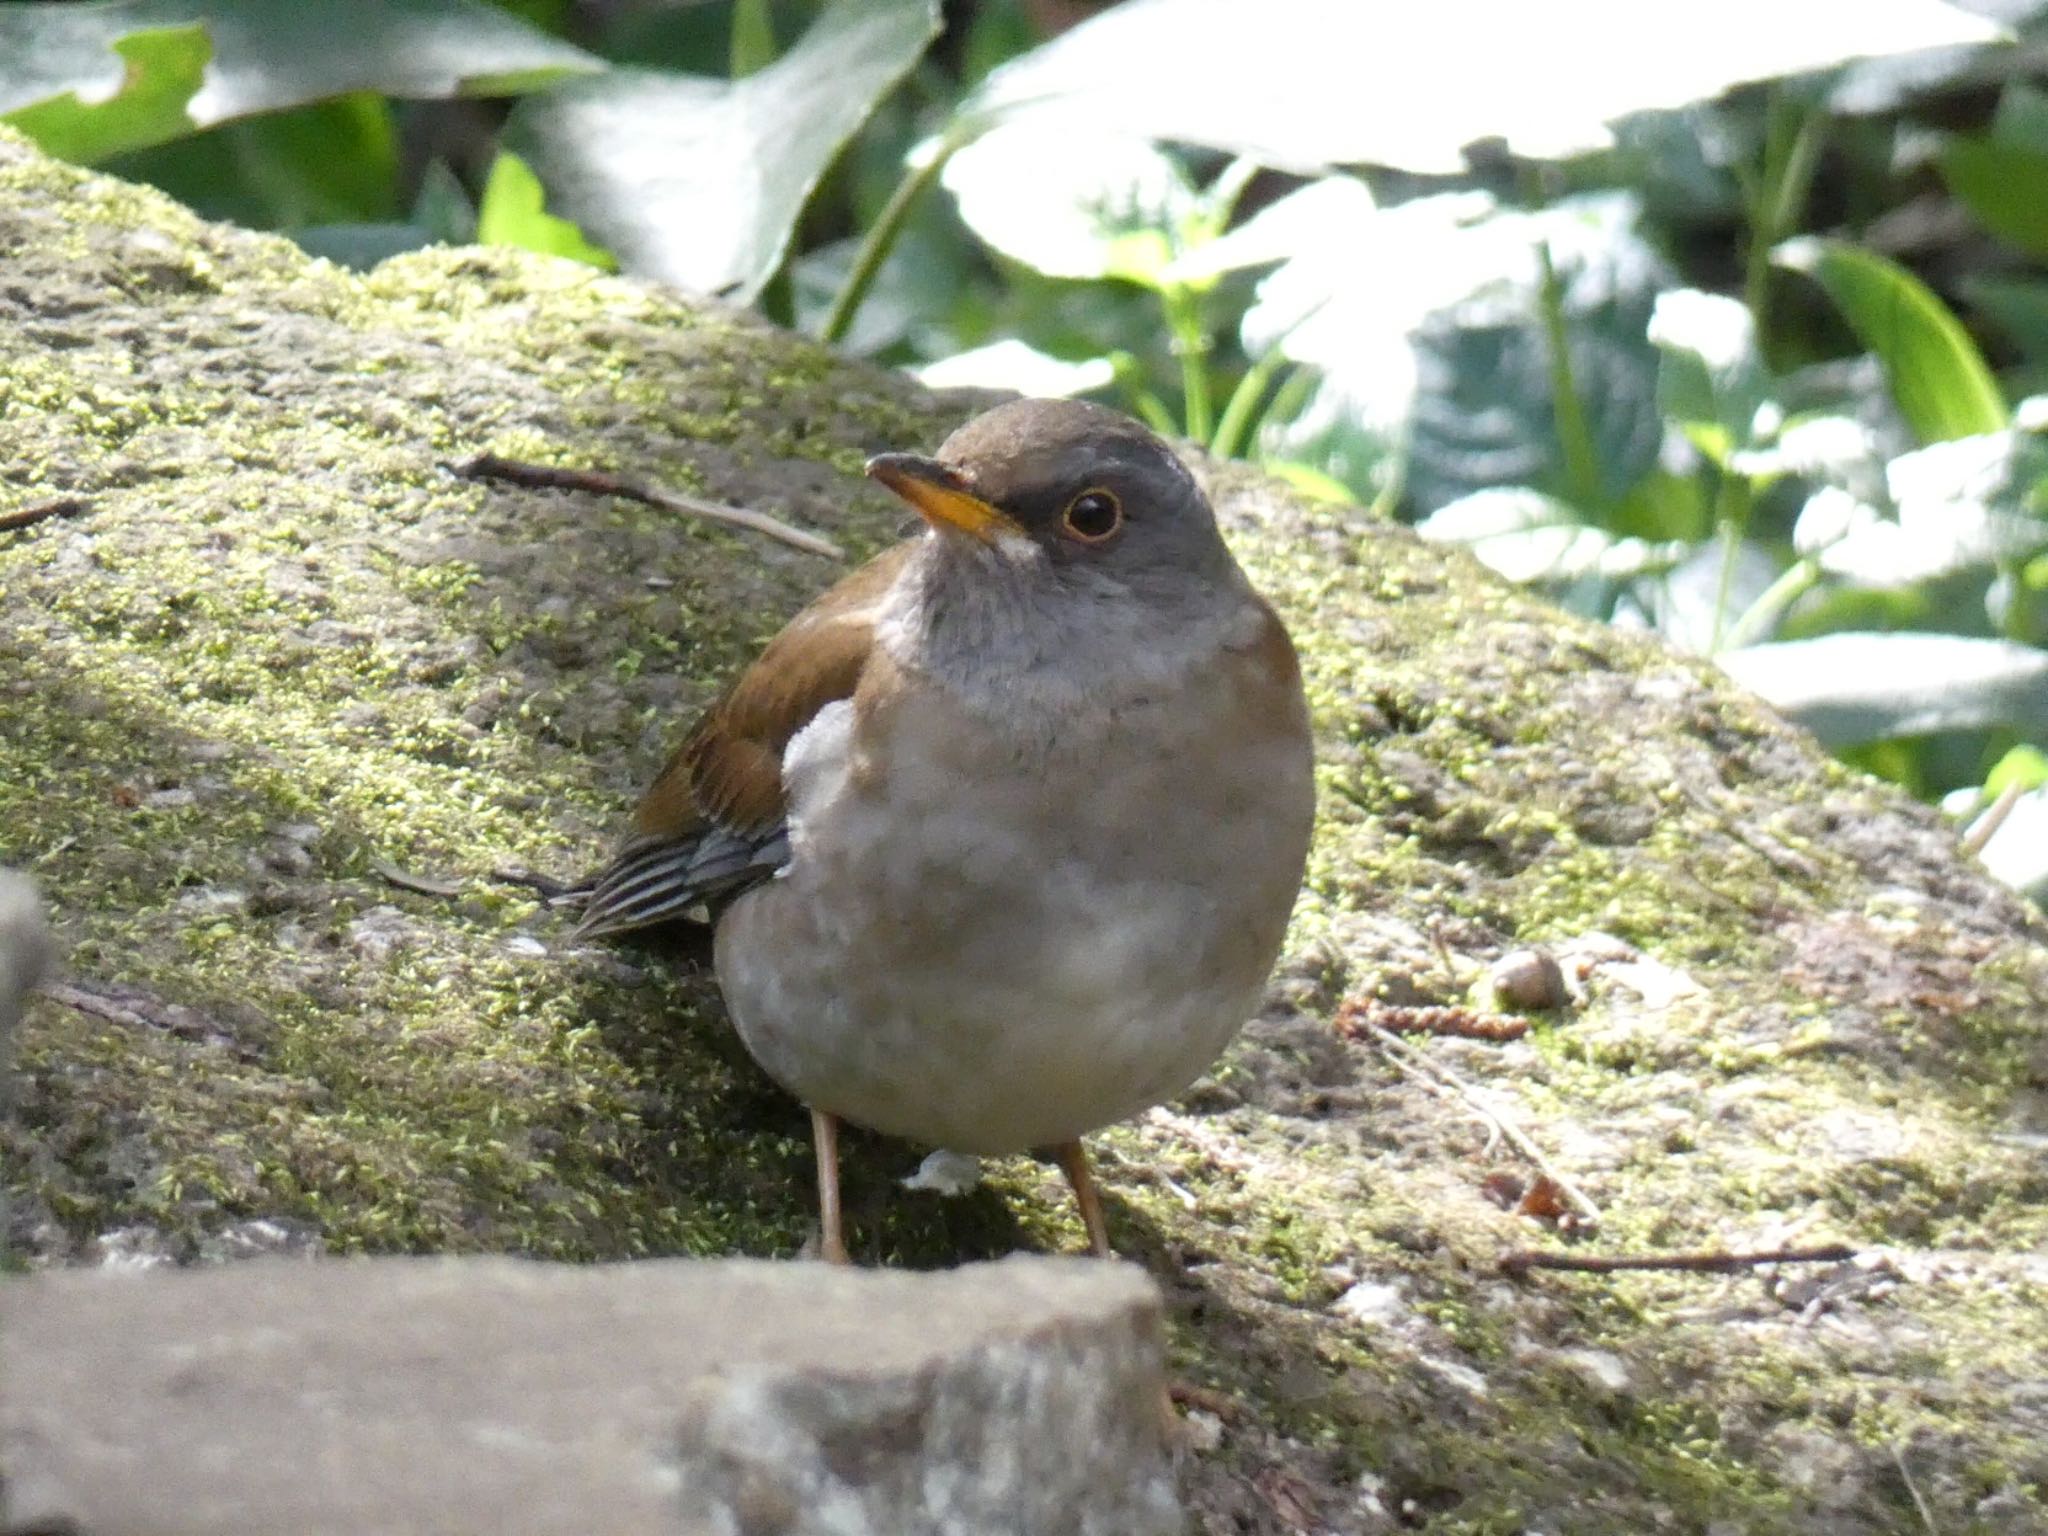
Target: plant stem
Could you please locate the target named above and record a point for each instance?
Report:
(876, 244)
(1732, 516)
(1184, 320)
(1581, 460)
(1243, 404)
(1130, 378)
(1792, 583)
(1792, 143)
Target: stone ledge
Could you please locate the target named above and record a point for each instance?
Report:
(495, 1395)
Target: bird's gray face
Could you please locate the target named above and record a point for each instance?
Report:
(1059, 496)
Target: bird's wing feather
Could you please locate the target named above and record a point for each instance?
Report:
(712, 823)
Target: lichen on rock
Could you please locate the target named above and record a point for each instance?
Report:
(284, 649)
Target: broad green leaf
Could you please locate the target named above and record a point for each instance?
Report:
(330, 162)
(1307, 84)
(2025, 766)
(1015, 365)
(1949, 507)
(2018, 850)
(89, 80)
(159, 70)
(1851, 688)
(1072, 203)
(698, 182)
(1711, 381)
(1527, 536)
(2005, 185)
(514, 212)
(2019, 306)
(1426, 320)
(1938, 378)
(362, 246)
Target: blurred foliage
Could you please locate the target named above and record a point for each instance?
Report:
(1734, 327)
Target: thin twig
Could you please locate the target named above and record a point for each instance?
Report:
(551, 891)
(489, 466)
(425, 885)
(1984, 826)
(118, 1003)
(42, 512)
(1450, 1083)
(1913, 1488)
(1523, 1260)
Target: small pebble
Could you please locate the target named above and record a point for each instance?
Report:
(1527, 981)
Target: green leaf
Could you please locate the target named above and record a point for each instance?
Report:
(2018, 306)
(1073, 204)
(86, 81)
(2005, 185)
(1427, 322)
(1711, 381)
(1852, 688)
(1305, 85)
(1938, 378)
(163, 68)
(1527, 536)
(514, 212)
(2025, 766)
(698, 182)
(331, 162)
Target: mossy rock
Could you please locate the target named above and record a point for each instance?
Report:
(280, 652)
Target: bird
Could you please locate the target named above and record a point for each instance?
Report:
(1000, 836)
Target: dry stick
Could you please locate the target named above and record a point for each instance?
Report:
(43, 511)
(1524, 1260)
(425, 885)
(1448, 1082)
(488, 466)
(1980, 832)
(1919, 1503)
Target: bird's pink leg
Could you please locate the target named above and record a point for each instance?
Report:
(832, 1230)
(1073, 1159)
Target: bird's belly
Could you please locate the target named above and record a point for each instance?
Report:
(975, 975)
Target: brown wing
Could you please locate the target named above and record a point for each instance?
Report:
(712, 821)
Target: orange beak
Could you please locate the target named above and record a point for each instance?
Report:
(940, 496)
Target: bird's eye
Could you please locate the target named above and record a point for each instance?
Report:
(1093, 516)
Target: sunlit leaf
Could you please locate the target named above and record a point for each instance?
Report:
(1527, 536)
(1069, 202)
(697, 181)
(1937, 376)
(514, 212)
(1849, 688)
(2018, 851)
(2024, 767)
(1306, 84)
(1014, 365)
(1711, 381)
(87, 81)
(1426, 321)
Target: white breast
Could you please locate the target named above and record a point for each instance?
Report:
(1014, 936)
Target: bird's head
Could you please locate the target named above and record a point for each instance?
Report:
(1064, 494)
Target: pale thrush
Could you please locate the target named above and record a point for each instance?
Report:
(1001, 834)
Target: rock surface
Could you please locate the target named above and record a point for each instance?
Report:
(280, 657)
(671, 1398)
(24, 957)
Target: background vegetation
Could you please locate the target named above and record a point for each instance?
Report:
(1729, 323)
